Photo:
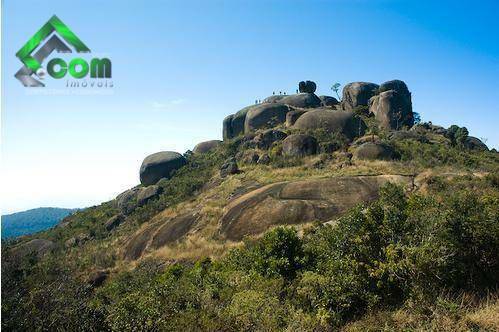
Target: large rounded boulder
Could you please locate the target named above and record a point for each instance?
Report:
(396, 85)
(358, 94)
(299, 145)
(273, 99)
(227, 127)
(265, 116)
(392, 110)
(160, 165)
(343, 122)
(265, 139)
(292, 116)
(302, 100)
(328, 101)
(205, 147)
(474, 143)
(307, 86)
(374, 151)
(233, 125)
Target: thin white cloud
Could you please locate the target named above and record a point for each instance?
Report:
(178, 101)
(167, 104)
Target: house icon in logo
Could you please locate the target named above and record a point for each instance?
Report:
(60, 37)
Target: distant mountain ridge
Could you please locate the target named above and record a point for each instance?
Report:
(32, 221)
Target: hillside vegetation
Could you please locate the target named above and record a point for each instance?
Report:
(31, 221)
(310, 215)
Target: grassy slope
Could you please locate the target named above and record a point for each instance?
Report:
(190, 189)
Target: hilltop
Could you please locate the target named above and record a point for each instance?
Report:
(312, 213)
(32, 221)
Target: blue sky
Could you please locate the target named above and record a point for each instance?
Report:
(179, 67)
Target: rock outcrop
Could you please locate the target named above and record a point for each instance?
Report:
(392, 107)
(328, 101)
(233, 125)
(299, 202)
(343, 122)
(299, 145)
(273, 99)
(160, 165)
(265, 116)
(126, 202)
(302, 100)
(374, 151)
(205, 147)
(114, 222)
(292, 116)
(474, 143)
(159, 234)
(265, 139)
(307, 86)
(229, 167)
(357, 94)
(144, 195)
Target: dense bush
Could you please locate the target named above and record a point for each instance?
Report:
(396, 249)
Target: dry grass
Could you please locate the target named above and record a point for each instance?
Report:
(193, 248)
(465, 313)
(204, 239)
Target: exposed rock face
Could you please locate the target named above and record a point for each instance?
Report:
(328, 101)
(396, 85)
(233, 125)
(160, 165)
(146, 194)
(307, 86)
(343, 122)
(299, 202)
(299, 145)
(474, 143)
(357, 94)
(114, 222)
(227, 127)
(302, 100)
(265, 115)
(273, 99)
(205, 147)
(374, 151)
(393, 106)
(160, 234)
(265, 139)
(229, 167)
(126, 202)
(37, 247)
(238, 120)
(292, 116)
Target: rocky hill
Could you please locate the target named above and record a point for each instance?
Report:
(374, 203)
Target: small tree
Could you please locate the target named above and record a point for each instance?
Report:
(336, 88)
(457, 135)
(416, 117)
(461, 135)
